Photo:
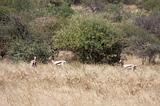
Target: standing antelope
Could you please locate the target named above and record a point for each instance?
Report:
(33, 62)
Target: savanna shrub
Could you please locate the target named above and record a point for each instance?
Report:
(99, 5)
(140, 42)
(150, 23)
(100, 1)
(115, 12)
(93, 40)
(151, 4)
(130, 1)
(19, 5)
(64, 10)
(11, 27)
(103, 1)
(25, 51)
(75, 1)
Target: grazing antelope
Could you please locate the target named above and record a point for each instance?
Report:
(33, 62)
(128, 66)
(61, 62)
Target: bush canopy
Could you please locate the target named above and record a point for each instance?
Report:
(93, 40)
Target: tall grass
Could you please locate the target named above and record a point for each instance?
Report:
(78, 85)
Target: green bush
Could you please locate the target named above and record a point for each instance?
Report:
(22, 5)
(150, 23)
(25, 51)
(140, 42)
(10, 27)
(93, 40)
(100, 1)
(6, 10)
(63, 10)
(103, 1)
(151, 4)
(19, 5)
(114, 12)
(136, 38)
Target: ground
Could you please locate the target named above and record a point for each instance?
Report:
(78, 85)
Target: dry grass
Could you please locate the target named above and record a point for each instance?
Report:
(78, 85)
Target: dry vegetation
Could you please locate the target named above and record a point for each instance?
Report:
(78, 85)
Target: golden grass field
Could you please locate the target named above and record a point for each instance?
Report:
(78, 85)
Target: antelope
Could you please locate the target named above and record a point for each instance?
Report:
(128, 66)
(60, 62)
(33, 62)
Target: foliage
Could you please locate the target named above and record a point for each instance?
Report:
(151, 4)
(150, 23)
(114, 12)
(19, 5)
(130, 1)
(23, 50)
(6, 10)
(63, 10)
(93, 40)
(22, 5)
(103, 1)
(11, 27)
(75, 1)
(139, 42)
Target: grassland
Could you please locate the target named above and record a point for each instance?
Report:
(78, 85)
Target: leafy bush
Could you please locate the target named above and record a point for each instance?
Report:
(150, 23)
(130, 1)
(139, 42)
(100, 1)
(63, 10)
(136, 38)
(19, 5)
(22, 5)
(151, 52)
(23, 50)
(151, 4)
(103, 1)
(115, 12)
(111, 1)
(99, 5)
(6, 10)
(75, 1)
(11, 27)
(93, 40)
